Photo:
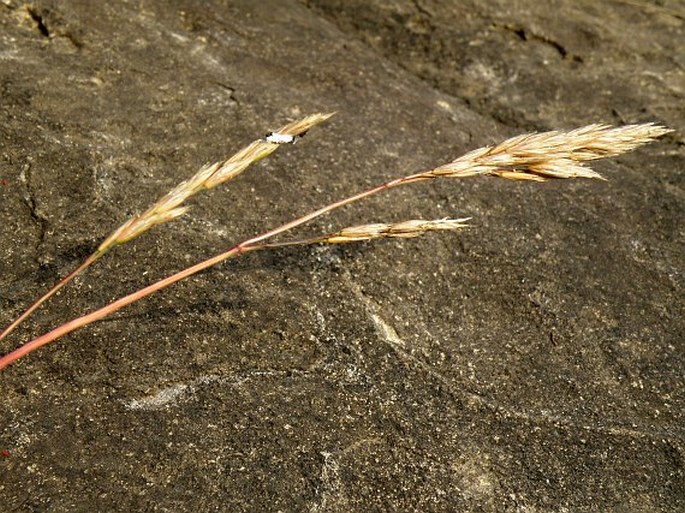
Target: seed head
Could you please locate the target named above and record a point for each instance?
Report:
(406, 229)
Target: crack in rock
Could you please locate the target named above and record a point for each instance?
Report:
(29, 197)
(40, 23)
(330, 483)
(527, 35)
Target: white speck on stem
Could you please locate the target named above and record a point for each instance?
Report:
(277, 138)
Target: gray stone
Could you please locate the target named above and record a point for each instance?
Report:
(532, 363)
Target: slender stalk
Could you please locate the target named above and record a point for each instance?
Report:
(412, 228)
(328, 208)
(116, 305)
(86, 263)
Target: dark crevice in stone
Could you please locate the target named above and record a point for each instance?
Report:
(29, 198)
(40, 23)
(527, 35)
(53, 28)
(503, 115)
(74, 40)
(421, 9)
(230, 91)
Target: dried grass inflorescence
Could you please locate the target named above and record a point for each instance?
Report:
(406, 229)
(553, 154)
(535, 157)
(169, 206)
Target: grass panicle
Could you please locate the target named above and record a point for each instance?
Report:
(403, 230)
(554, 154)
(169, 206)
(537, 157)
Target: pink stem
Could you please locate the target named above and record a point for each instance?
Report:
(9, 329)
(113, 307)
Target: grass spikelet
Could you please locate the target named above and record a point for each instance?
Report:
(405, 229)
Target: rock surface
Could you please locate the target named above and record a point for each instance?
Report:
(532, 363)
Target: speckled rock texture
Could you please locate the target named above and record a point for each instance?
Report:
(533, 363)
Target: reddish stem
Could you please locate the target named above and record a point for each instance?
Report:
(9, 329)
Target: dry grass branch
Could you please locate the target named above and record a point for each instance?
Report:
(529, 157)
